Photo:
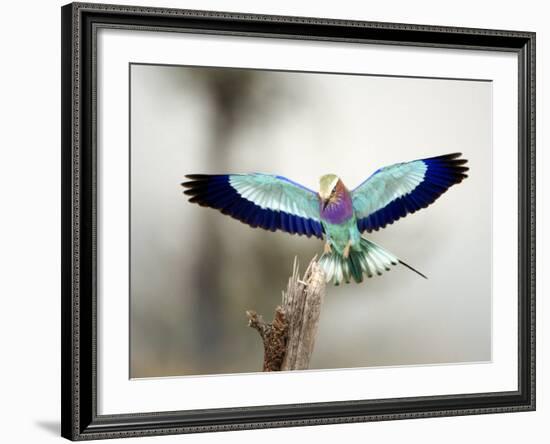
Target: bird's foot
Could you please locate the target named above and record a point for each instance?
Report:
(328, 248)
(346, 250)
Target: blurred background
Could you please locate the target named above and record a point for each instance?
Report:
(194, 271)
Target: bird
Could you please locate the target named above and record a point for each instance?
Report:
(334, 214)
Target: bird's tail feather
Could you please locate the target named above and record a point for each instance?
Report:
(370, 260)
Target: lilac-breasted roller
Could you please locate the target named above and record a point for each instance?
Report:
(334, 213)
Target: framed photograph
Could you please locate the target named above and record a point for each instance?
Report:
(388, 171)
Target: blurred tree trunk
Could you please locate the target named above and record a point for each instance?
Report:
(228, 91)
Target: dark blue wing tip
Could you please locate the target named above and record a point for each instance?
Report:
(446, 170)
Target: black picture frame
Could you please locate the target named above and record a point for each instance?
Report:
(78, 306)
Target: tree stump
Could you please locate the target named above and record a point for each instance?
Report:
(289, 339)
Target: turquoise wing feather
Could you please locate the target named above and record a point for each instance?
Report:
(259, 200)
(394, 191)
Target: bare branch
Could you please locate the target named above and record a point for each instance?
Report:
(290, 338)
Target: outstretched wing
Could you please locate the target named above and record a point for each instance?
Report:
(259, 200)
(394, 191)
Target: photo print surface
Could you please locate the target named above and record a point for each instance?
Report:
(314, 138)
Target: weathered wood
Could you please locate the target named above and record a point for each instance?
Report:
(289, 339)
(302, 303)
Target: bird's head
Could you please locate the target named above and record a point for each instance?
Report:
(327, 188)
